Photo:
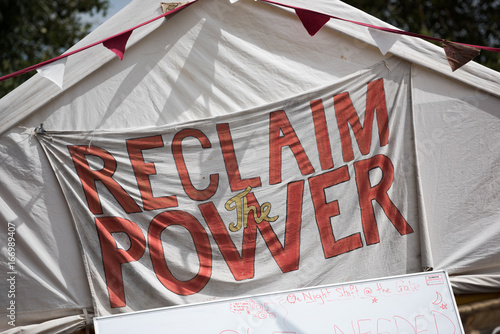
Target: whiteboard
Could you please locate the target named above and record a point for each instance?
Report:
(416, 303)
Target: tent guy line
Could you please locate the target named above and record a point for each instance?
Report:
(313, 21)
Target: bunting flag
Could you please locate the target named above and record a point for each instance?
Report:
(384, 40)
(169, 6)
(54, 71)
(312, 21)
(459, 54)
(117, 44)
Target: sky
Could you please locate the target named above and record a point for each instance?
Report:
(114, 7)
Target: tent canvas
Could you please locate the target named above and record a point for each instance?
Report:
(215, 59)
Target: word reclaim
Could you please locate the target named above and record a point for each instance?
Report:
(251, 216)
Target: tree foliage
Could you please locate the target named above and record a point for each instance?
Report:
(473, 22)
(35, 31)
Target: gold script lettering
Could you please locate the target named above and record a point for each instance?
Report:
(239, 203)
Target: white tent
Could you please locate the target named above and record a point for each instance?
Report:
(215, 63)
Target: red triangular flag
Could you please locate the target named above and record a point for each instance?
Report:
(458, 54)
(312, 21)
(117, 44)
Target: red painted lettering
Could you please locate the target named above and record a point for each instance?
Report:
(191, 191)
(233, 172)
(241, 266)
(324, 211)
(142, 171)
(322, 137)
(279, 123)
(367, 193)
(113, 257)
(89, 176)
(287, 256)
(201, 243)
(346, 114)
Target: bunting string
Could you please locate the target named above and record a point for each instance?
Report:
(457, 54)
(116, 43)
(313, 21)
(390, 30)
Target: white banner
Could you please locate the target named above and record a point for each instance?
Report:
(317, 189)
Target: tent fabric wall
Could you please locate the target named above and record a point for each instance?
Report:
(215, 58)
(458, 144)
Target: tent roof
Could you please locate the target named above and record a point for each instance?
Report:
(37, 91)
